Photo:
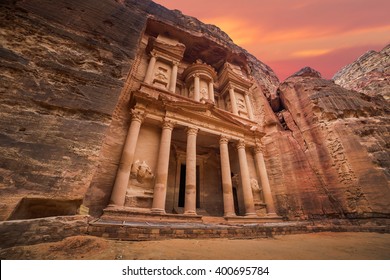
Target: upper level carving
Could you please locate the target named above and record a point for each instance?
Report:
(224, 84)
(199, 81)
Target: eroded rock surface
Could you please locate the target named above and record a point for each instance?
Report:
(370, 74)
(332, 157)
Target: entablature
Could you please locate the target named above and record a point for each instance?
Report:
(206, 117)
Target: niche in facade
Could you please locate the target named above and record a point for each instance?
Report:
(199, 81)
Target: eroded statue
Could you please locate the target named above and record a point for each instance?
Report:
(141, 171)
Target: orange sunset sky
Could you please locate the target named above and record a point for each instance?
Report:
(290, 34)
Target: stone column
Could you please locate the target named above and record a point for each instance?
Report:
(233, 101)
(190, 194)
(172, 83)
(160, 187)
(245, 180)
(228, 201)
(149, 71)
(118, 194)
(196, 87)
(211, 91)
(249, 106)
(262, 171)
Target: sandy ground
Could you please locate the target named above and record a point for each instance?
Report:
(314, 246)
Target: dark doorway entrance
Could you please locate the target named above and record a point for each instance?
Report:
(182, 189)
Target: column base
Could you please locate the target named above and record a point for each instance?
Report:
(230, 215)
(114, 206)
(157, 211)
(251, 215)
(190, 213)
(272, 215)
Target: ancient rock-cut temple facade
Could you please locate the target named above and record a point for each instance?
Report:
(125, 110)
(193, 147)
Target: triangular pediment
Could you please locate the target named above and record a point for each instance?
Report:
(207, 112)
(184, 108)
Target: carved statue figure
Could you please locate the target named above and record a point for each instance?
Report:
(228, 104)
(141, 171)
(204, 93)
(241, 104)
(235, 180)
(256, 190)
(161, 74)
(191, 92)
(255, 185)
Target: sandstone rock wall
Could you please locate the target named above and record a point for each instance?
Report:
(28, 232)
(369, 74)
(332, 157)
(64, 114)
(63, 66)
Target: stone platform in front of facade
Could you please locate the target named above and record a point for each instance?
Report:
(253, 219)
(140, 231)
(126, 214)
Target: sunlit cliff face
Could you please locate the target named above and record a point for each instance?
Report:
(288, 35)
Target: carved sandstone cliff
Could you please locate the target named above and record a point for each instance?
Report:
(63, 70)
(64, 114)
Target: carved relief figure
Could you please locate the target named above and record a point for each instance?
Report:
(161, 74)
(141, 171)
(228, 104)
(191, 92)
(241, 104)
(256, 190)
(235, 180)
(204, 93)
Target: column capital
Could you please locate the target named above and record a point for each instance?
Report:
(258, 148)
(196, 75)
(153, 54)
(168, 124)
(224, 139)
(230, 87)
(175, 63)
(240, 144)
(137, 115)
(192, 130)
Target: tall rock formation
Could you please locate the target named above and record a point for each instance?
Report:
(332, 158)
(369, 74)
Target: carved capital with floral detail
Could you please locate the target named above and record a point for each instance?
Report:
(258, 148)
(192, 130)
(223, 140)
(137, 115)
(168, 124)
(240, 144)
